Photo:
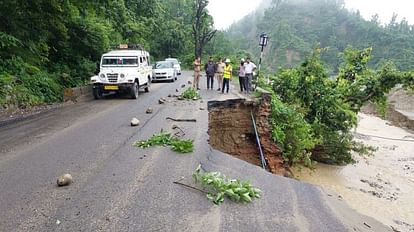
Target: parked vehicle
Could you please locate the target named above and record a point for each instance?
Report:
(126, 70)
(177, 64)
(164, 70)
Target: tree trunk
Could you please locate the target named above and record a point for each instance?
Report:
(203, 30)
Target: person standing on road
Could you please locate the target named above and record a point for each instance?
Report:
(210, 68)
(227, 76)
(197, 69)
(249, 67)
(242, 76)
(220, 71)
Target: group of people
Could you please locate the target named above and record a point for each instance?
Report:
(222, 72)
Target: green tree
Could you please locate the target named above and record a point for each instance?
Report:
(203, 30)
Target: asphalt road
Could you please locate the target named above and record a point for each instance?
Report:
(118, 187)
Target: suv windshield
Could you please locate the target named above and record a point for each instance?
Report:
(120, 61)
(163, 64)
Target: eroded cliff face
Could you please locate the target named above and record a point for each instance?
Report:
(231, 131)
(400, 110)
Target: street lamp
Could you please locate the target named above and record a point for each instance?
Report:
(263, 40)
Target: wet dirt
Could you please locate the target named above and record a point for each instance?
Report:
(231, 131)
(380, 186)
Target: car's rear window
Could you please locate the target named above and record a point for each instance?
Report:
(164, 64)
(175, 61)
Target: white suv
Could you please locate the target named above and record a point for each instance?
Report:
(176, 63)
(123, 70)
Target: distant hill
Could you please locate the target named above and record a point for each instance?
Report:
(296, 27)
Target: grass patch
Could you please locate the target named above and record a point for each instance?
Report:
(191, 94)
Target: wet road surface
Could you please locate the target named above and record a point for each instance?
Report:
(118, 187)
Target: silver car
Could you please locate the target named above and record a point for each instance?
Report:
(177, 64)
(164, 70)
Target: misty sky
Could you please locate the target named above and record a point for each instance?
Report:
(225, 12)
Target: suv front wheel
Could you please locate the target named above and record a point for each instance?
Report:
(148, 85)
(97, 92)
(135, 90)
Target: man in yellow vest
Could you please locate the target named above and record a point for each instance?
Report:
(227, 76)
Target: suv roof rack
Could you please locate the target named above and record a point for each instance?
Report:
(127, 47)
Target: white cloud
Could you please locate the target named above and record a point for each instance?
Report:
(384, 9)
(226, 12)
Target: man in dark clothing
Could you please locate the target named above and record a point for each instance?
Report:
(210, 68)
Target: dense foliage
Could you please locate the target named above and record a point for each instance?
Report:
(313, 114)
(295, 27)
(47, 45)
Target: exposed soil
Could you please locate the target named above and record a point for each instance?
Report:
(231, 131)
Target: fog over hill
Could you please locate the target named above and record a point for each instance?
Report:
(296, 27)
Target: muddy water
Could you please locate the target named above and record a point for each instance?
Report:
(380, 186)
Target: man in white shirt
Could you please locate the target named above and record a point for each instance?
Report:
(249, 67)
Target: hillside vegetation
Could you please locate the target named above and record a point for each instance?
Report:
(324, 62)
(47, 45)
(296, 27)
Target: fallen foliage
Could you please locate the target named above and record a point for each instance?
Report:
(166, 139)
(218, 187)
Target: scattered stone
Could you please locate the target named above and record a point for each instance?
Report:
(375, 194)
(195, 98)
(395, 229)
(202, 108)
(180, 98)
(150, 110)
(169, 95)
(57, 222)
(134, 122)
(183, 86)
(189, 82)
(201, 101)
(176, 90)
(161, 101)
(373, 184)
(64, 180)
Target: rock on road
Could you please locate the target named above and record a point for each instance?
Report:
(118, 187)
